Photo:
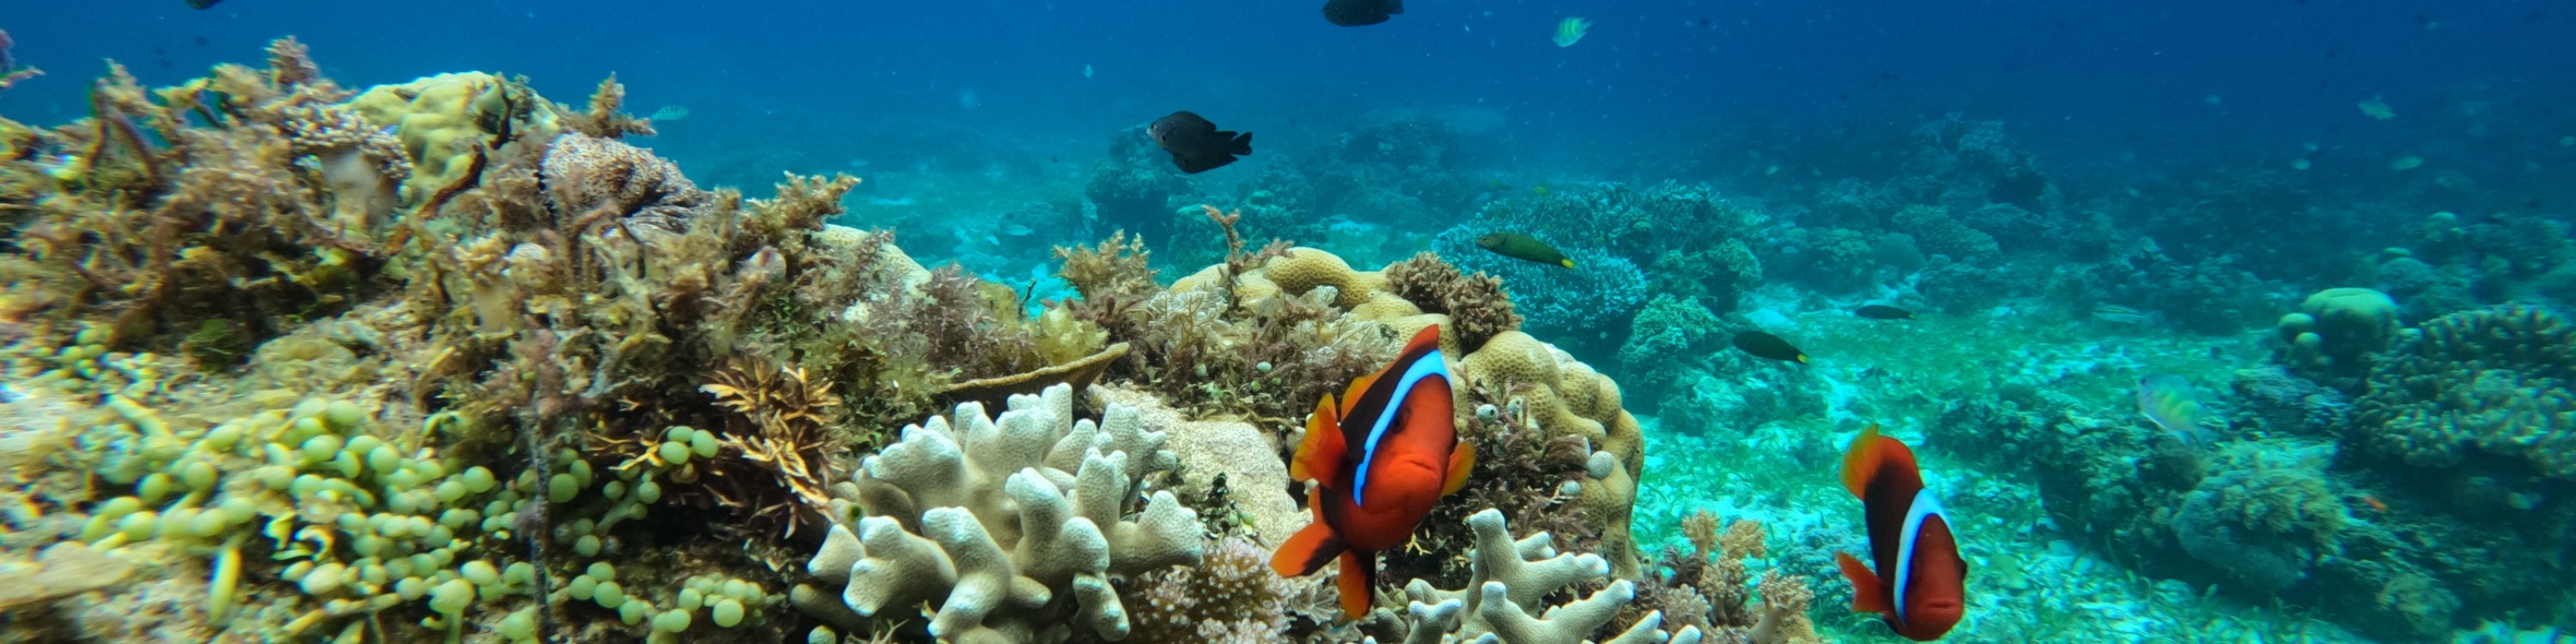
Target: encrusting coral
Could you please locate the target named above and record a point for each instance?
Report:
(1012, 525)
(2492, 382)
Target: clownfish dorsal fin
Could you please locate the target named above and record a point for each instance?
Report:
(1351, 394)
(1461, 461)
(1860, 461)
(1869, 595)
(1321, 453)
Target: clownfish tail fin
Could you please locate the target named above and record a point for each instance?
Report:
(1859, 461)
(1358, 583)
(1869, 595)
(1305, 552)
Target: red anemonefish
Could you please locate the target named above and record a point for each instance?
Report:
(1379, 462)
(1909, 538)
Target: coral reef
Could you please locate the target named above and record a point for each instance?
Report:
(1012, 525)
(1134, 187)
(445, 359)
(1476, 304)
(1587, 307)
(1230, 598)
(1505, 596)
(2262, 518)
(2493, 382)
(2336, 332)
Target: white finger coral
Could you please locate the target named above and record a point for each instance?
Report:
(1005, 524)
(1505, 597)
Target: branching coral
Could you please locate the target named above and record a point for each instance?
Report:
(1116, 269)
(1009, 524)
(1476, 304)
(1514, 578)
(1710, 588)
(603, 119)
(1589, 303)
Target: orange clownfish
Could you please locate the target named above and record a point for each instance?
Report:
(1379, 461)
(1909, 539)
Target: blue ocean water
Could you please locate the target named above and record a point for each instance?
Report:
(2328, 134)
(818, 83)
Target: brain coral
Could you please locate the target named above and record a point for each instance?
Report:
(2493, 382)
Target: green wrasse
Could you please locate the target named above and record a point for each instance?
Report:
(1523, 247)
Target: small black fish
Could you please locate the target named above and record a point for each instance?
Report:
(1765, 345)
(1523, 247)
(1883, 312)
(1361, 13)
(201, 4)
(201, 41)
(1195, 143)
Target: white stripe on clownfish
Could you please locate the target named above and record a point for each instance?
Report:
(1925, 506)
(1431, 363)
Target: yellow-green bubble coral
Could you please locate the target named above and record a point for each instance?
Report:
(562, 488)
(608, 595)
(704, 444)
(727, 612)
(671, 621)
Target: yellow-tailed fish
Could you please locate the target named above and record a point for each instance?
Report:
(1523, 247)
(1570, 31)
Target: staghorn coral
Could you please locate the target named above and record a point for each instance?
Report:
(2493, 383)
(1008, 524)
(1476, 304)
